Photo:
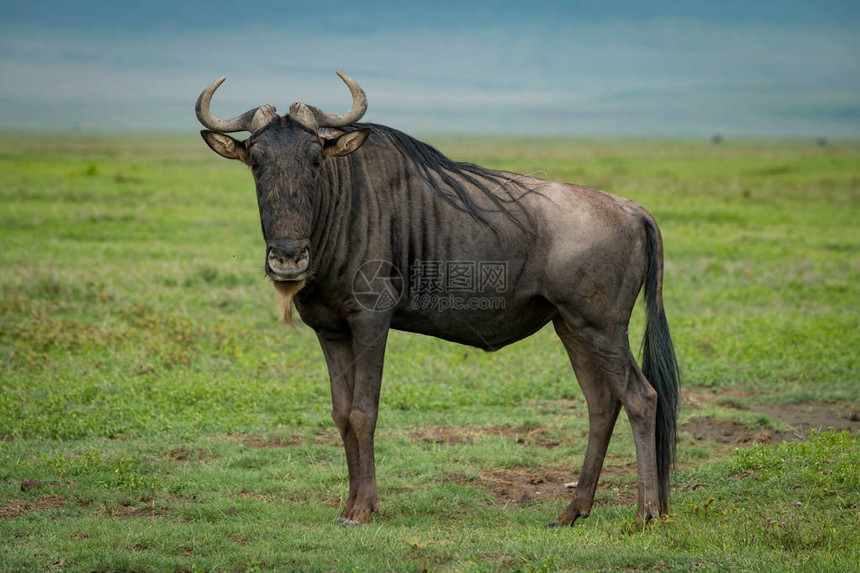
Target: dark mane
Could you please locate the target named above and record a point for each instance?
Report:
(503, 191)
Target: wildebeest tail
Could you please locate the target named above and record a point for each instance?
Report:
(659, 363)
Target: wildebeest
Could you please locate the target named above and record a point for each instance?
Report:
(368, 229)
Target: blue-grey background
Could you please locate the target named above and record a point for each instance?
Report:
(662, 68)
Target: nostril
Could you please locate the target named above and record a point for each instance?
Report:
(303, 260)
(275, 258)
(288, 261)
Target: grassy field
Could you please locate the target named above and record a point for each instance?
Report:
(155, 416)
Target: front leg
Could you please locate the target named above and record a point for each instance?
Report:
(356, 378)
(340, 361)
(369, 335)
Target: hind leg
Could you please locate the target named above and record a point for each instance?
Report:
(603, 410)
(640, 403)
(610, 377)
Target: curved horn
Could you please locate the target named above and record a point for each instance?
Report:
(324, 119)
(251, 120)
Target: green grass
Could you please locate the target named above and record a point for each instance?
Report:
(174, 425)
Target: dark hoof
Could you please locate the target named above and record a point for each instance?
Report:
(553, 524)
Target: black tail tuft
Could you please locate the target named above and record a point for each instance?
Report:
(659, 364)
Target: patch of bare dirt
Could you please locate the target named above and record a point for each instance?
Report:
(255, 441)
(804, 417)
(506, 562)
(332, 499)
(451, 435)
(517, 487)
(182, 455)
(732, 432)
(240, 540)
(799, 418)
(328, 438)
(17, 507)
(696, 399)
(245, 494)
(134, 512)
(620, 494)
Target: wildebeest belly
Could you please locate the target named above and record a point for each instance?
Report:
(488, 324)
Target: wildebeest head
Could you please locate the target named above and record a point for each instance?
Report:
(285, 154)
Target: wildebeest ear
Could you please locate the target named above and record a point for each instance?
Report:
(344, 143)
(225, 146)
